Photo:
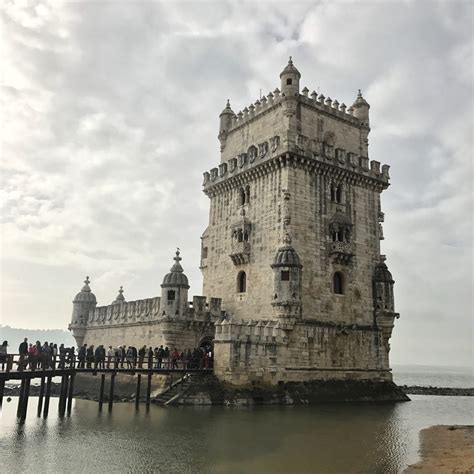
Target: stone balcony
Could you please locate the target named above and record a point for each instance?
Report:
(240, 252)
(341, 252)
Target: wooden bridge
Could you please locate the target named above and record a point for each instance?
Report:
(15, 368)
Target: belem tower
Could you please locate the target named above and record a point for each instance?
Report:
(295, 286)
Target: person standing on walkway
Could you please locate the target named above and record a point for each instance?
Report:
(110, 356)
(90, 356)
(81, 356)
(141, 356)
(3, 354)
(23, 351)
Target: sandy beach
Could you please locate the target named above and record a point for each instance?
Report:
(445, 449)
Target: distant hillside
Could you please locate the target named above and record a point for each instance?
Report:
(16, 335)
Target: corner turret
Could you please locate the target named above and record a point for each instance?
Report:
(225, 119)
(174, 291)
(361, 110)
(287, 282)
(290, 80)
(83, 303)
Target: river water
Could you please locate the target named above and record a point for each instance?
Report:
(329, 438)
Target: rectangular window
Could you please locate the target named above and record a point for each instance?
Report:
(285, 275)
(204, 252)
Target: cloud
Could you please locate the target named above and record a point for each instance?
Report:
(110, 115)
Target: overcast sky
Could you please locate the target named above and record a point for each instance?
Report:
(110, 116)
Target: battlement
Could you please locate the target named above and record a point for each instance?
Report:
(337, 159)
(149, 309)
(272, 100)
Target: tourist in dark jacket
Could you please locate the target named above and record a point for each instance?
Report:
(141, 356)
(3, 354)
(23, 351)
(81, 356)
(90, 356)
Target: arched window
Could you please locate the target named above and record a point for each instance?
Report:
(338, 283)
(171, 295)
(241, 282)
(247, 194)
(333, 193)
(242, 196)
(339, 194)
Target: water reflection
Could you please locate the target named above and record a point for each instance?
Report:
(327, 438)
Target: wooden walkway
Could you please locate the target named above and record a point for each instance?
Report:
(14, 369)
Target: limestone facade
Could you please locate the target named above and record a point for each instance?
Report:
(295, 285)
(295, 171)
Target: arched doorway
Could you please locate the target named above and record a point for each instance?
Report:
(207, 344)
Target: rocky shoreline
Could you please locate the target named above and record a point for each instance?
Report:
(446, 391)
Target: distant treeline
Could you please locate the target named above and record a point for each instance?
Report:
(16, 335)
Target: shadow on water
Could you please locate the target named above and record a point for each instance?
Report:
(359, 438)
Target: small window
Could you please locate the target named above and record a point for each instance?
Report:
(204, 252)
(241, 282)
(289, 82)
(247, 194)
(285, 275)
(243, 197)
(171, 295)
(338, 283)
(339, 194)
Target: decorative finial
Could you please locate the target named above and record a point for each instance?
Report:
(287, 239)
(228, 104)
(359, 93)
(87, 281)
(177, 258)
(121, 290)
(290, 61)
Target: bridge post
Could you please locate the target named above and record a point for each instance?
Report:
(48, 396)
(70, 395)
(20, 398)
(101, 391)
(41, 396)
(25, 398)
(111, 392)
(2, 391)
(137, 398)
(62, 395)
(148, 392)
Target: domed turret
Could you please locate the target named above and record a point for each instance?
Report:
(84, 302)
(174, 290)
(290, 80)
(361, 109)
(287, 281)
(225, 119)
(120, 298)
(383, 287)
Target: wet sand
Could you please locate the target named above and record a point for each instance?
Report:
(445, 449)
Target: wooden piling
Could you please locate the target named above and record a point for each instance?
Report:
(62, 395)
(2, 391)
(111, 391)
(26, 396)
(101, 392)
(148, 392)
(70, 394)
(19, 409)
(47, 397)
(41, 397)
(137, 398)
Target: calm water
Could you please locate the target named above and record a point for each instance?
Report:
(426, 375)
(353, 438)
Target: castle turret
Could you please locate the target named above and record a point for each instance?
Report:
(361, 111)
(84, 302)
(287, 282)
(384, 310)
(120, 298)
(174, 291)
(290, 80)
(225, 119)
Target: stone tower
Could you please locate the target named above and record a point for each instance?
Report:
(84, 302)
(295, 170)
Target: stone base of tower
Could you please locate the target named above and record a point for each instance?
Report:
(270, 353)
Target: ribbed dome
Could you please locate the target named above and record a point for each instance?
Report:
(85, 295)
(381, 273)
(286, 256)
(360, 101)
(290, 69)
(120, 298)
(227, 110)
(176, 277)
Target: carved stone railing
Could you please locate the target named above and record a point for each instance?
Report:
(341, 252)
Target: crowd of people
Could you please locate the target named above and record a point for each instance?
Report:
(50, 356)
